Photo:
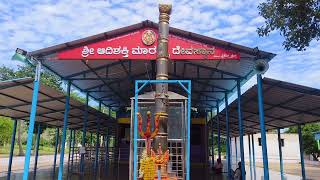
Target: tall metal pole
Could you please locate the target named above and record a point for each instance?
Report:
(55, 152)
(250, 163)
(32, 120)
(228, 136)
(280, 154)
(236, 147)
(96, 163)
(219, 138)
(243, 171)
(84, 131)
(64, 131)
(161, 98)
(253, 158)
(37, 151)
(262, 128)
(206, 131)
(212, 139)
(303, 171)
(13, 138)
(70, 143)
(73, 144)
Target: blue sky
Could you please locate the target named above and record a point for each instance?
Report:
(33, 25)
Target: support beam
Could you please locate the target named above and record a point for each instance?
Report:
(212, 139)
(228, 137)
(280, 154)
(236, 147)
(219, 133)
(73, 144)
(37, 152)
(55, 152)
(64, 131)
(262, 128)
(69, 154)
(96, 163)
(253, 158)
(250, 163)
(243, 171)
(303, 171)
(32, 121)
(84, 131)
(13, 138)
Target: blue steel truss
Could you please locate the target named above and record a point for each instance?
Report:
(135, 122)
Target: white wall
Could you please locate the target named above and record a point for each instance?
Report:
(290, 151)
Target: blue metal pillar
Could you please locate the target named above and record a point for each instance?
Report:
(219, 134)
(253, 158)
(280, 154)
(64, 131)
(13, 138)
(188, 131)
(250, 163)
(262, 128)
(98, 142)
(243, 170)
(84, 131)
(231, 151)
(236, 147)
(37, 151)
(135, 132)
(228, 136)
(55, 151)
(70, 143)
(32, 121)
(107, 151)
(73, 144)
(303, 172)
(212, 139)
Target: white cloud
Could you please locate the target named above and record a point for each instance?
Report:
(32, 25)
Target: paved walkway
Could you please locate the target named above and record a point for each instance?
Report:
(45, 161)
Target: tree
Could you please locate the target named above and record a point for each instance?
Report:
(47, 78)
(309, 143)
(298, 21)
(6, 127)
(19, 139)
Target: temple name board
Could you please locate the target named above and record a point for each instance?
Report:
(142, 45)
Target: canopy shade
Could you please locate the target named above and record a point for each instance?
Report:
(285, 104)
(15, 102)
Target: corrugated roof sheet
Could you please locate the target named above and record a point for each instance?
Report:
(16, 98)
(285, 104)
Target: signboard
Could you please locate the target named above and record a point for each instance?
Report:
(142, 45)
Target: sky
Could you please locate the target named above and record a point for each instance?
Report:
(32, 25)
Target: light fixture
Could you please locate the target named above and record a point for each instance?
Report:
(20, 55)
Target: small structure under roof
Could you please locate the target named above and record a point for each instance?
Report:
(16, 99)
(285, 104)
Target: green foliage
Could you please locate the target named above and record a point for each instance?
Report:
(298, 21)
(6, 127)
(309, 143)
(47, 78)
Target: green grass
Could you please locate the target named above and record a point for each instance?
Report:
(43, 150)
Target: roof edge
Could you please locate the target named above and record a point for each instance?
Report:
(147, 23)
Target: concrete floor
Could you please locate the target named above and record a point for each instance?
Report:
(121, 172)
(113, 172)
